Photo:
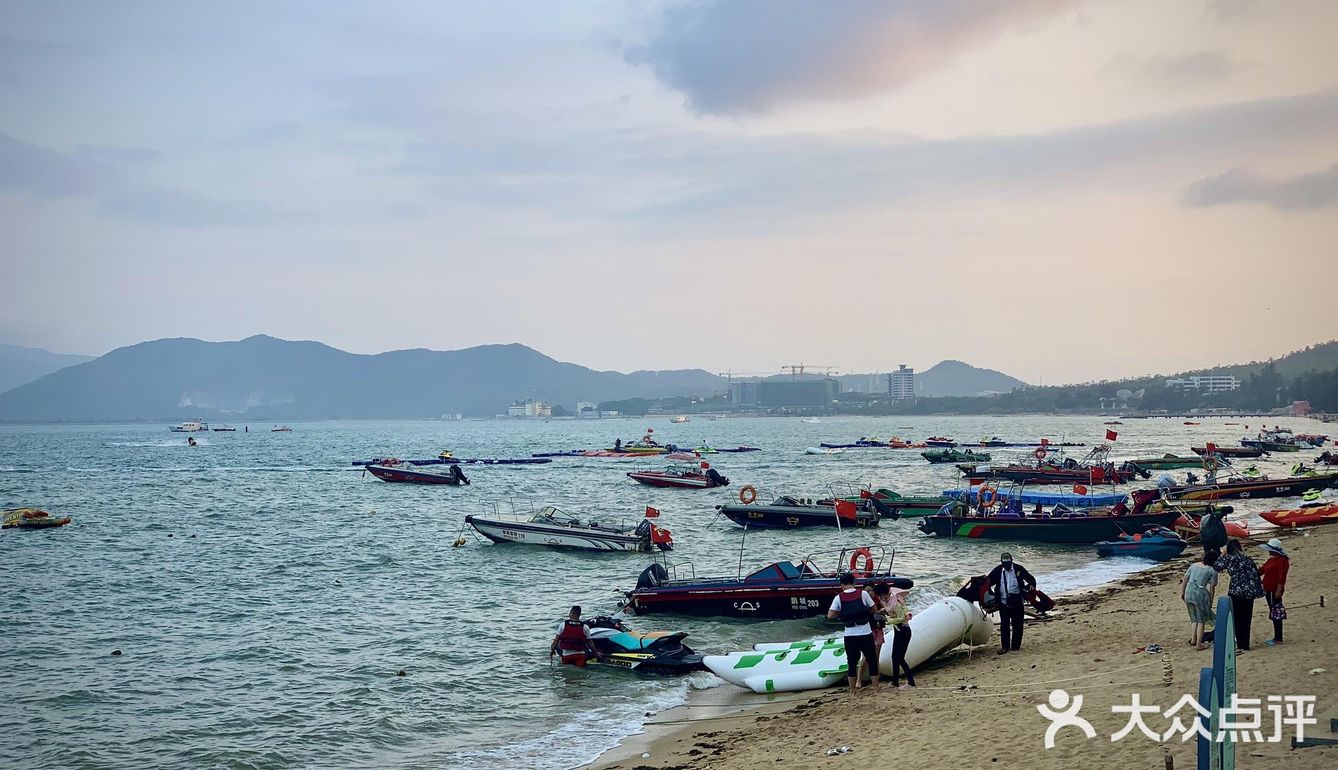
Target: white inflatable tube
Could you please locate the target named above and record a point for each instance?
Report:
(813, 664)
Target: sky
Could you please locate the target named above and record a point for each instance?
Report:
(1064, 190)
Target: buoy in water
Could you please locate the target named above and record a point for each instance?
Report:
(402, 673)
(116, 653)
(459, 541)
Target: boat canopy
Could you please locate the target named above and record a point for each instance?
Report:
(1070, 499)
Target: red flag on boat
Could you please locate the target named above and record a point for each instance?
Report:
(1079, 489)
(706, 466)
(652, 513)
(845, 509)
(660, 535)
(1045, 442)
(1210, 448)
(865, 494)
(1111, 435)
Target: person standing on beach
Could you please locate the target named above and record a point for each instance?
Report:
(1274, 577)
(1197, 588)
(1010, 583)
(882, 594)
(572, 640)
(1245, 587)
(855, 608)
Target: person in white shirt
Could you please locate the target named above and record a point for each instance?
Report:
(855, 608)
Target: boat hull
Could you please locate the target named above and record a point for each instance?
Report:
(780, 599)
(1248, 490)
(1230, 451)
(1073, 530)
(671, 481)
(502, 531)
(794, 516)
(1163, 549)
(401, 475)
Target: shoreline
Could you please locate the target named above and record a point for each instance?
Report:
(1087, 639)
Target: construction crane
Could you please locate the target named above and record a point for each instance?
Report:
(797, 370)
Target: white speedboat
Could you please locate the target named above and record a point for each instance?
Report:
(552, 527)
(190, 426)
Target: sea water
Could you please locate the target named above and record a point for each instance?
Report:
(265, 595)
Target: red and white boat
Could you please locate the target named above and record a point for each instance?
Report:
(688, 476)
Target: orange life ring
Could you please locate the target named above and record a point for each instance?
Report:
(867, 555)
(748, 495)
(1039, 454)
(986, 502)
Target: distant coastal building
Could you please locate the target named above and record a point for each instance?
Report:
(901, 384)
(744, 393)
(787, 393)
(529, 408)
(584, 407)
(1211, 383)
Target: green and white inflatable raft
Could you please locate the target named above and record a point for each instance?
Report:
(814, 664)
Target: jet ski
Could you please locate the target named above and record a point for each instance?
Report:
(656, 652)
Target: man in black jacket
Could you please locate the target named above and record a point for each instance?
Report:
(1010, 583)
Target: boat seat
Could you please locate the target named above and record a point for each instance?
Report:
(790, 571)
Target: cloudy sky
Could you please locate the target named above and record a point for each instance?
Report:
(1061, 189)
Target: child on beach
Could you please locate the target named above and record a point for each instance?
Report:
(1197, 589)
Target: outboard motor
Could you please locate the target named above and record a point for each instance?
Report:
(653, 576)
(1165, 480)
(716, 478)
(459, 475)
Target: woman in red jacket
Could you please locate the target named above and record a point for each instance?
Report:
(1273, 574)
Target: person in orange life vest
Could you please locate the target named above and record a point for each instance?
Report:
(572, 640)
(855, 608)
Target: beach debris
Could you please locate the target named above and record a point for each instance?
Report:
(646, 755)
(1315, 671)
(839, 750)
(965, 688)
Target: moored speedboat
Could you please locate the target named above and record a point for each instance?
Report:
(955, 456)
(1167, 462)
(856, 508)
(1240, 489)
(1061, 525)
(783, 589)
(552, 527)
(401, 472)
(681, 477)
(1228, 451)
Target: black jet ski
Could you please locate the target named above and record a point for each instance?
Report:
(656, 652)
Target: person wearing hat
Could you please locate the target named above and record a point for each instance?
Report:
(1273, 574)
(1010, 583)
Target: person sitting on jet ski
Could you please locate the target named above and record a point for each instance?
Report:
(572, 640)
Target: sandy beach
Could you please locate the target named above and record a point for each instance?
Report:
(979, 709)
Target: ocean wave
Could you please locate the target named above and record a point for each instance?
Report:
(1097, 573)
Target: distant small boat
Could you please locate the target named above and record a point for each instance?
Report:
(281, 429)
(679, 419)
(224, 429)
(820, 450)
(191, 426)
(811, 420)
(32, 518)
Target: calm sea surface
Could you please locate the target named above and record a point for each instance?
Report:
(265, 594)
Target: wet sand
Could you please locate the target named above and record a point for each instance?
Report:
(978, 709)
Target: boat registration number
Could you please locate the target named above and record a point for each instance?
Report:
(514, 535)
(801, 603)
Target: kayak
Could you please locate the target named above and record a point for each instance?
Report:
(1302, 517)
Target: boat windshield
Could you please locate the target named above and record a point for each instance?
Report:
(551, 514)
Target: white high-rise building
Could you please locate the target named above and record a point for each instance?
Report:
(901, 384)
(1211, 383)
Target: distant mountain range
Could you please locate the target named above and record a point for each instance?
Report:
(946, 378)
(1311, 359)
(19, 364)
(262, 378)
